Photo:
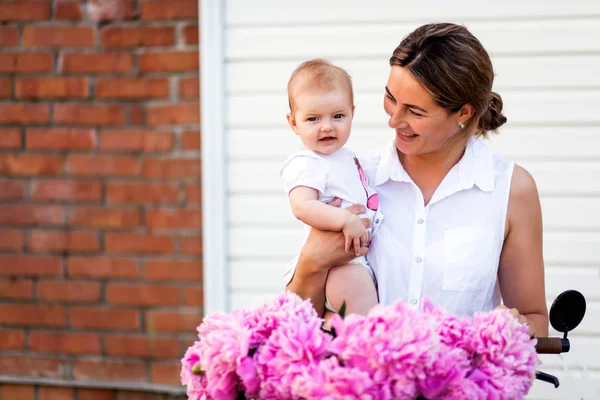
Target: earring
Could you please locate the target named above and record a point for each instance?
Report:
(462, 126)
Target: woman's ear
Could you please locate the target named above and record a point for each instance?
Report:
(292, 122)
(465, 113)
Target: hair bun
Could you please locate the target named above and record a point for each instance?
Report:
(493, 118)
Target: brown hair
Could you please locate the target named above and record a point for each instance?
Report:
(455, 68)
(320, 73)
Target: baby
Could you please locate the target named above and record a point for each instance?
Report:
(321, 110)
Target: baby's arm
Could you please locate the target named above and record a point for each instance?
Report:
(308, 209)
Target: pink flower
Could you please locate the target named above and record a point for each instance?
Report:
(289, 350)
(329, 380)
(192, 376)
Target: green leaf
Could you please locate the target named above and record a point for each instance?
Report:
(197, 370)
(342, 311)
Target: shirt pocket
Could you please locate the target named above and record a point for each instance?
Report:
(468, 254)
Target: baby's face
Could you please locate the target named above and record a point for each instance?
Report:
(322, 118)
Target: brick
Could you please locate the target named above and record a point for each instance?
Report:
(174, 219)
(5, 87)
(26, 62)
(143, 395)
(64, 342)
(10, 138)
(20, 113)
(9, 36)
(68, 291)
(90, 165)
(28, 265)
(61, 240)
(79, 114)
(172, 321)
(28, 214)
(21, 289)
(138, 115)
(170, 61)
(95, 394)
(11, 339)
(20, 392)
(141, 193)
(102, 217)
(30, 367)
(11, 239)
(190, 34)
(125, 37)
(103, 267)
(106, 10)
(171, 168)
(141, 346)
(66, 190)
(182, 113)
(58, 36)
(132, 88)
(96, 63)
(193, 194)
(191, 245)
(109, 370)
(68, 10)
(136, 141)
(52, 88)
(55, 393)
(60, 139)
(173, 270)
(138, 243)
(190, 140)
(12, 189)
(104, 318)
(142, 294)
(166, 373)
(24, 11)
(193, 297)
(31, 164)
(169, 9)
(32, 315)
(189, 88)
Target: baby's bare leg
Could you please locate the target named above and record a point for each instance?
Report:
(353, 284)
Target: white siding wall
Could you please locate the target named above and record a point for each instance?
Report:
(547, 60)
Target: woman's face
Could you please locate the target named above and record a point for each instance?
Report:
(421, 125)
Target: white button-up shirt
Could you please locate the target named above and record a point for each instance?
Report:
(448, 250)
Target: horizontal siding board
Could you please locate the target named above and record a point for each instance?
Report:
(251, 242)
(571, 178)
(520, 37)
(266, 12)
(569, 213)
(515, 142)
(529, 108)
(370, 75)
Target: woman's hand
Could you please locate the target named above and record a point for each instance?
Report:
(521, 318)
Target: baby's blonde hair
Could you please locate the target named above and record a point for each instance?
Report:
(320, 73)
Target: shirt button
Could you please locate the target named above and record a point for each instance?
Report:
(418, 259)
(413, 301)
(377, 221)
(420, 221)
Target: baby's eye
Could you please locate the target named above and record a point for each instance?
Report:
(311, 119)
(338, 116)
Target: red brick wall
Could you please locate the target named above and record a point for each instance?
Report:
(100, 220)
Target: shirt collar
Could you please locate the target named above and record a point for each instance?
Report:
(476, 167)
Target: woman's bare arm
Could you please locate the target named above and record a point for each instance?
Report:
(322, 251)
(521, 270)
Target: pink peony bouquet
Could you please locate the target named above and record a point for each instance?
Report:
(279, 351)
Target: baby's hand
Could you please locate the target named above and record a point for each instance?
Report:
(355, 233)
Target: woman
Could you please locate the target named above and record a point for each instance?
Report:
(462, 225)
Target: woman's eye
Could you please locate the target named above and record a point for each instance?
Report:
(414, 113)
(387, 95)
(311, 119)
(338, 116)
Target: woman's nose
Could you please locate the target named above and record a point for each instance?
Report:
(397, 120)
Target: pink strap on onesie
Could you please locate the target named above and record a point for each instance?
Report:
(372, 197)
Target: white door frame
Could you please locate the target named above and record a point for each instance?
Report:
(214, 171)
